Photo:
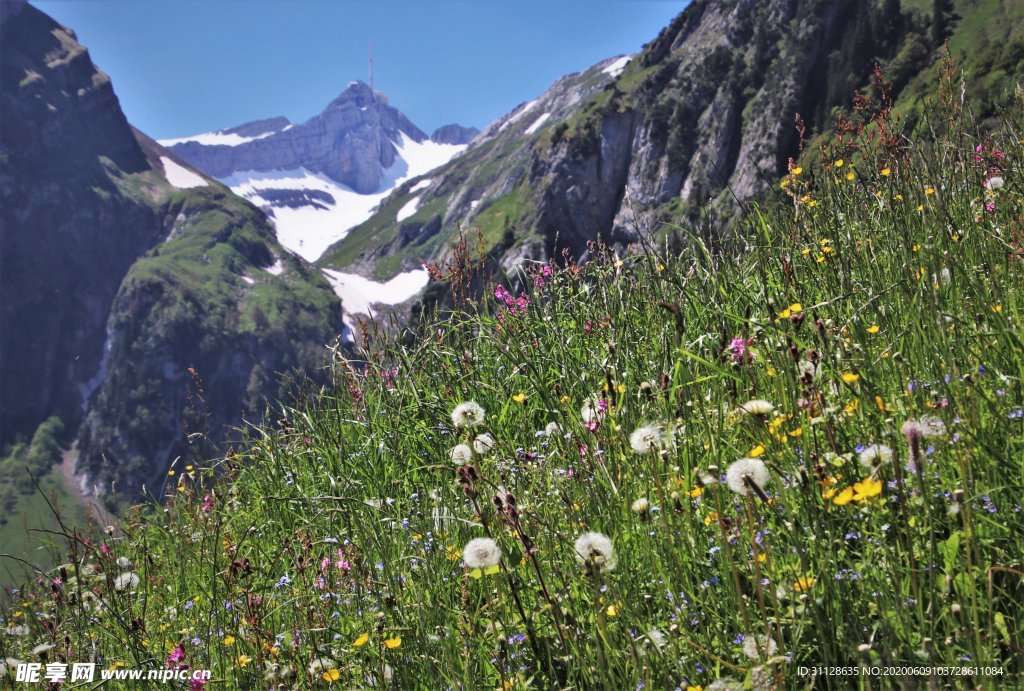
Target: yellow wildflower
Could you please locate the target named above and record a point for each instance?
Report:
(520, 398)
(361, 641)
(393, 643)
(850, 377)
(873, 329)
(756, 451)
(332, 675)
(886, 172)
(802, 584)
(229, 641)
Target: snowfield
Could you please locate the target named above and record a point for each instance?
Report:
(309, 230)
(615, 69)
(359, 294)
(538, 123)
(408, 209)
(181, 177)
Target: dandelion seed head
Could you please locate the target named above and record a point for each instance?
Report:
(738, 474)
(462, 454)
(646, 439)
(468, 414)
(126, 581)
(484, 443)
(932, 426)
(481, 553)
(875, 455)
(758, 408)
(595, 551)
(641, 506)
(767, 645)
(553, 429)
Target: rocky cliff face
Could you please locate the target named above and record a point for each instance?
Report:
(351, 142)
(122, 268)
(454, 134)
(701, 118)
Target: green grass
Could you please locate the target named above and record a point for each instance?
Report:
(329, 548)
(32, 530)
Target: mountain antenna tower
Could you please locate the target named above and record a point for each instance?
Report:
(371, 64)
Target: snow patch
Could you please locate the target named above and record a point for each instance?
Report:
(248, 279)
(538, 123)
(421, 185)
(615, 69)
(408, 210)
(219, 138)
(275, 269)
(522, 111)
(358, 294)
(308, 230)
(180, 176)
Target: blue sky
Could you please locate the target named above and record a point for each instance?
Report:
(182, 67)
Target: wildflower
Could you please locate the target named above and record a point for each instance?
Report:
(797, 170)
(593, 412)
(839, 163)
(468, 414)
(932, 426)
(332, 675)
(595, 551)
(361, 641)
(229, 641)
(641, 506)
(875, 455)
(42, 648)
(753, 645)
(481, 553)
(745, 474)
(757, 451)
(553, 429)
(657, 639)
(803, 584)
(7, 665)
(873, 329)
(320, 663)
(646, 439)
(739, 349)
(393, 643)
(866, 489)
(243, 660)
(758, 408)
(886, 172)
(995, 183)
(462, 454)
(520, 398)
(484, 443)
(124, 562)
(126, 581)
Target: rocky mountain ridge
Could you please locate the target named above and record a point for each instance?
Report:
(141, 301)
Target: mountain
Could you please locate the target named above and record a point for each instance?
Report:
(318, 179)
(141, 300)
(677, 136)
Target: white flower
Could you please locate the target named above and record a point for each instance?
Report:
(468, 414)
(874, 456)
(995, 183)
(725, 684)
(657, 639)
(595, 551)
(124, 562)
(932, 426)
(8, 665)
(591, 411)
(758, 408)
(646, 439)
(318, 664)
(807, 368)
(42, 648)
(751, 644)
(462, 454)
(126, 581)
(641, 506)
(752, 469)
(19, 630)
(484, 443)
(481, 553)
(553, 429)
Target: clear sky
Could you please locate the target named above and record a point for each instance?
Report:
(181, 67)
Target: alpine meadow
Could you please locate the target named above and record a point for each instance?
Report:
(762, 440)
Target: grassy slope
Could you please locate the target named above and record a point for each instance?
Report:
(918, 290)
